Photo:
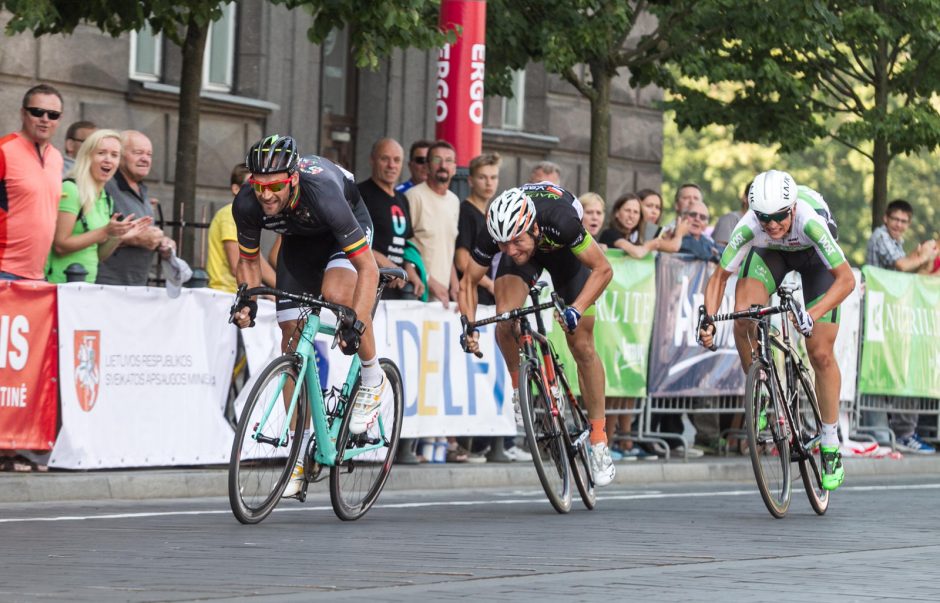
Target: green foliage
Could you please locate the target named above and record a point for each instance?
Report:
(863, 73)
(110, 16)
(377, 28)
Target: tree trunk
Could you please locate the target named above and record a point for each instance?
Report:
(600, 130)
(187, 142)
(879, 201)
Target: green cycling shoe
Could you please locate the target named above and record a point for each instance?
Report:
(833, 473)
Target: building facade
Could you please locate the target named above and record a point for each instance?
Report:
(262, 75)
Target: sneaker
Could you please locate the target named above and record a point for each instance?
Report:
(517, 411)
(616, 454)
(915, 445)
(691, 453)
(638, 453)
(366, 406)
(518, 454)
(296, 481)
(602, 465)
(833, 473)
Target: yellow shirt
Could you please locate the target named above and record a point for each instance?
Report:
(221, 229)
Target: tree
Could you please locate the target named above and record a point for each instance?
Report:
(602, 35)
(376, 28)
(864, 73)
(185, 23)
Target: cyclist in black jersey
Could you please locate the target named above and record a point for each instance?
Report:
(538, 226)
(325, 230)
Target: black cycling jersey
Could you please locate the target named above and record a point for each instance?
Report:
(556, 213)
(326, 204)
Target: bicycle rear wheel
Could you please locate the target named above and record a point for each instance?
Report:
(355, 483)
(544, 435)
(809, 429)
(260, 465)
(577, 441)
(768, 440)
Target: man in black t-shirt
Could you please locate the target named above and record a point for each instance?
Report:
(391, 218)
(484, 179)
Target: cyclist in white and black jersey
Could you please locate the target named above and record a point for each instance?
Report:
(790, 228)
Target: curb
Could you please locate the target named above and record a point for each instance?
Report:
(146, 484)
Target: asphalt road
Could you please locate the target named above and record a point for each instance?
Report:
(690, 541)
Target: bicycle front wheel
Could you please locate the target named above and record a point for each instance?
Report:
(266, 446)
(809, 428)
(577, 441)
(544, 434)
(768, 440)
(357, 481)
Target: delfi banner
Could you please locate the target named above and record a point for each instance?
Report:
(623, 325)
(901, 346)
(28, 365)
(460, 69)
(679, 367)
(144, 377)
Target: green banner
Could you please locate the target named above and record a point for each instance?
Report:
(623, 326)
(901, 341)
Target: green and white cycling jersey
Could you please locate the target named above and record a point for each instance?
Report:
(810, 230)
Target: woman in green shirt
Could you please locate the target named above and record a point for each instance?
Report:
(86, 232)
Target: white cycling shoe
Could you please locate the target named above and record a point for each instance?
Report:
(366, 407)
(602, 465)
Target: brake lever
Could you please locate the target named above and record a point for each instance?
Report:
(702, 323)
(465, 336)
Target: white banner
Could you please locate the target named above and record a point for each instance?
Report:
(143, 377)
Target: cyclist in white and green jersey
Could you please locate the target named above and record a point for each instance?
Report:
(790, 228)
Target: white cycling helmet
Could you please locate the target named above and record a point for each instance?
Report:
(771, 192)
(510, 214)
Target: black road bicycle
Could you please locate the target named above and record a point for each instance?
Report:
(781, 412)
(556, 426)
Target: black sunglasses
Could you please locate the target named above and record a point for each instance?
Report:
(778, 217)
(420, 160)
(37, 112)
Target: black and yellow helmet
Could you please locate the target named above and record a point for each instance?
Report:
(272, 154)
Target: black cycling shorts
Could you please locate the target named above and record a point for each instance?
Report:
(770, 266)
(301, 263)
(568, 272)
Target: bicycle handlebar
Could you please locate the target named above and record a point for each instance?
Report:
(787, 304)
(345, 316)
(469, 327)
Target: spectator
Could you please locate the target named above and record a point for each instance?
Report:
(546, 171)
(626, 228)
(886, 250)
(87, 230)
(391, 218)
(74, 137)
(435, 211)
(593, 217)
(484, 179)
(417, 165)
(727, 222)
(685, 195)
(131, 261)
(30, 186)
(223, 242)
(651, 210)
(696, 242)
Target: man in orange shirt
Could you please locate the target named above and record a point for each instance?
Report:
(30, 186)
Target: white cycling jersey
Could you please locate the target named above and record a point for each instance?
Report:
(810, 229)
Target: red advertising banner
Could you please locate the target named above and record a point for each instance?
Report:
(460, 69)
(29, 360)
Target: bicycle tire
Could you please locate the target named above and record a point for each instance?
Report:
(258, 472)
(544, 435)
(808, 426)
(355, 484)
(769, 448)
(577, 442)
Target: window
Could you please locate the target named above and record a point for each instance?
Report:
(146, 53)
(514, 108)
(218, 63)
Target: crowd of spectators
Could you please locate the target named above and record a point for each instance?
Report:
(87, 215)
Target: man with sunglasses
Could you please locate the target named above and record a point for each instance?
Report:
(789, 228)
(326, 234)
(30, 186)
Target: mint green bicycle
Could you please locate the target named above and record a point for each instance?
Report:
(270, 430)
